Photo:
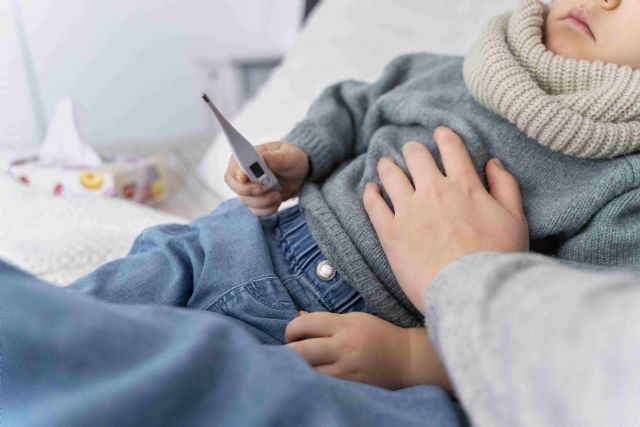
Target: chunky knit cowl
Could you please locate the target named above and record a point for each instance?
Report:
(587, 109)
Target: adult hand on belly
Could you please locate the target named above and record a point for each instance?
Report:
(445, 217)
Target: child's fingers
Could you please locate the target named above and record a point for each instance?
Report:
(276, 160)
(331, 370)
(265, 211)
(316, 351)
(247, 190)
(268, 200)
(239, 182)
(241, 177)
(236, 172)
(312, 325)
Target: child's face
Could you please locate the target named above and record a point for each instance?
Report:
(612, 33)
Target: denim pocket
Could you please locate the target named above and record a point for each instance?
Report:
(263, 306)
(271, 292)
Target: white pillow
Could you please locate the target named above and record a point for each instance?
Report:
(349, 39)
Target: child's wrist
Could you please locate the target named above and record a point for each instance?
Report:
(425, 367)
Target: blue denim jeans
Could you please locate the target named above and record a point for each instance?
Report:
(259, 272)
(69, 359)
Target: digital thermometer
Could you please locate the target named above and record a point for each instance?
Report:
(245, 153)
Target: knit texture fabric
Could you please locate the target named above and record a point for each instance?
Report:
(576, 107)
(580, 210)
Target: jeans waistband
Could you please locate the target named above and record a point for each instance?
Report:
(304, 255)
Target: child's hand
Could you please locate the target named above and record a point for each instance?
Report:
(287, 161)
(361, 347)
(444, 217)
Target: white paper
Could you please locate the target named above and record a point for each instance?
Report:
(63, 145)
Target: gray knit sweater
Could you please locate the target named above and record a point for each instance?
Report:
(583, 211)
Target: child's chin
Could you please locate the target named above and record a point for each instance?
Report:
(567, 43)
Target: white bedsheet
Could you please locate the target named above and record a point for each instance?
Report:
(61, 239)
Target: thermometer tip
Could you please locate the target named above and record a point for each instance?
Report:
(205, 97)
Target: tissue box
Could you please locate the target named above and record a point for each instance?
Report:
(142, 180)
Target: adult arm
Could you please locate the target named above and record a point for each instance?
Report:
(527, 341)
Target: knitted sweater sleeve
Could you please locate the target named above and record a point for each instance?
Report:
(528, 341)
(330, 131)
(335, 127)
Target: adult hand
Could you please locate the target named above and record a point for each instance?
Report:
(444, 217)
(290, 164)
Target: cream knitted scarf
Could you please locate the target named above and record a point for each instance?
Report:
(577, 107)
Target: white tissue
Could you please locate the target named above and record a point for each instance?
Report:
(63, 146)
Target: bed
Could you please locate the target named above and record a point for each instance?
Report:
(59, 240)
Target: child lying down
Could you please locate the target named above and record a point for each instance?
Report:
(552, 91)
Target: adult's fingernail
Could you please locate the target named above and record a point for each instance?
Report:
(498, 163)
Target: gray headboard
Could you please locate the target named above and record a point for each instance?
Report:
(309, 6)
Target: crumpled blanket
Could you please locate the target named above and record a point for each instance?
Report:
(61, 239)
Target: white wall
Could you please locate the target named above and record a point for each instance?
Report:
(130, 65)
(16, 121)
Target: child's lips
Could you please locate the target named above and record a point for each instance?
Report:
(578, 19)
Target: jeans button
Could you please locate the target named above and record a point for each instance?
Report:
(325, 271)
